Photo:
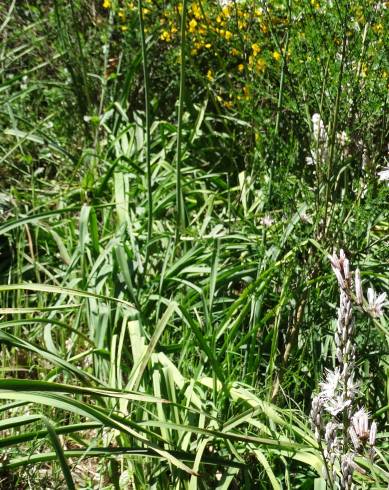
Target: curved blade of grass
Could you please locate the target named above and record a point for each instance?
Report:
(24, 310)
(40, 434)
(139, 368)
(114, 451)
(13, 422)
(49, 387)
(44, 321)
(60, 453)
(53, 358)
(265, 463)
(47, 288)
(12, 224)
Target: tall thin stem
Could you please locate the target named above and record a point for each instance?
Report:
(147, 122)
(334, 125)
(180, 218)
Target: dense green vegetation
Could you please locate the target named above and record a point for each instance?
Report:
(174, 176)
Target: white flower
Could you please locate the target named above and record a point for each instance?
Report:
(330, 385)
(336, 405)
(376, 303)
(267, 220)
(305, 218)
(218, 475)
(342, 138)
(310, 160)
(69, 344)
(373, 433)
(354, 438)
(360, 423)
(319, 130)
(330, 432)
(380, 6)
(332, 394)
(384, 174)
(332, 398)
(341, 267)
(358, 287)
(365, 159)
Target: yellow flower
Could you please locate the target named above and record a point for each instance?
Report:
(226, 11)
(196, 11)
(192, 25)
(122, 14)
(145, 11)
(241, 67)
(260, 65)
(166, 36)
(228, 104)
(234, 52)
(125, 28)
(378, 28)
(276, 55)
(107, 4)
(208, 45)
(202, 30)
(228, 35)
(359, 15)
(256, 49)
(210, 75)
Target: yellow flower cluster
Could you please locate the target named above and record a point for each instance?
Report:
(216, 35)
(229, 45)
(233, 46)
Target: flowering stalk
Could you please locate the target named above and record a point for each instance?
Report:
(341, 431)
(374, 304)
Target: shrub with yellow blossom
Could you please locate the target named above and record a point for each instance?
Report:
(242, 56)
(232, 42)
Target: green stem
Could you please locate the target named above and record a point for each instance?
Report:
(280, 97)
(179, 196)
(147, 121)
(334, 125)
